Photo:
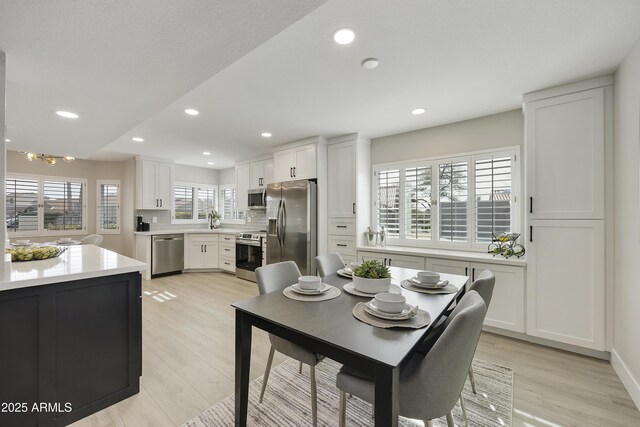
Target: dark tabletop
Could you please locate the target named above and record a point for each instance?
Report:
(332, 321)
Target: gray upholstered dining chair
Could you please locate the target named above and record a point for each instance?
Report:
(329, 264)
(483, 285)
(272, 278)
(431, 384)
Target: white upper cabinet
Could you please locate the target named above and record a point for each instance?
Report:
(342, 179)
(243, 185)
(565, 139)
(295, 163)
(154, 184)
(261, 173)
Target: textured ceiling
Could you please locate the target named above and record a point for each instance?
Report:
(456, 58)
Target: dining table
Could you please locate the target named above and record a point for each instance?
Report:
(330, 329)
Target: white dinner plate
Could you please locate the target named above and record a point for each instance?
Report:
(323, 288)
(371, 309)
(345, 272)
(440, 285)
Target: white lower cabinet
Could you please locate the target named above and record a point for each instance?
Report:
(449, 266)
(566, 282)
(201, 251)
(506, 310)
(394, 260)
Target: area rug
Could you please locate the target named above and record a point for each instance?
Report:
(287, 400)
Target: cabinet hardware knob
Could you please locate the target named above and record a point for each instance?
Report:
(341, 226)
(341, 245)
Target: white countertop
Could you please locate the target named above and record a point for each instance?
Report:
(447, 253)
(195, 231)
(76, 263)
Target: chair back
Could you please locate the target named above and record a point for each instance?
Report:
(276, 277)
(434, 384)
(483, 285)
(329, 264)
(92, 239)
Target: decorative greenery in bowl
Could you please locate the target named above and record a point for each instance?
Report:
(372, 269)
(372, 277)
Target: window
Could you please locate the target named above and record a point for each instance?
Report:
(460, 202)
(108, 213)
(39, 205)
(228, 203)
(493, 197)
(192, 203)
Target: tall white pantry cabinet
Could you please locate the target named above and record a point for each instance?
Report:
(567, 132)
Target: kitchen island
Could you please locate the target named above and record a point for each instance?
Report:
(70, 336)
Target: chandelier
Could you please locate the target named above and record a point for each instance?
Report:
(47, 158)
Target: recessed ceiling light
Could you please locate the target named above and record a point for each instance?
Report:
(344, 36)
(369, 63)
(266, 135)
(418, 111)
(191, 112)
(137, 139)
(206, 153)
(210, 163)
(7, 140)
(67, 114)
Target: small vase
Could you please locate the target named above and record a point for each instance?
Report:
(371, 286)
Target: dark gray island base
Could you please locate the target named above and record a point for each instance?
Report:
(69, 349)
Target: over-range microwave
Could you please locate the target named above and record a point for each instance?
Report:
(257, 198)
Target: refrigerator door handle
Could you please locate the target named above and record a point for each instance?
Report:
(284, 222)
(278, 226)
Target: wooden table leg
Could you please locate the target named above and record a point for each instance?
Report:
(243, 359)
(386, 396)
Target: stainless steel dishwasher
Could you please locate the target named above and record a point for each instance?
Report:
(167, 254)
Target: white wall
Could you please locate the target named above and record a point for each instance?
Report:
(626, 341)
(195, 174)
(227, 176)
(92, 171)
(484, 133)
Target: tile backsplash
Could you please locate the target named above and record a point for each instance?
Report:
(256, 220)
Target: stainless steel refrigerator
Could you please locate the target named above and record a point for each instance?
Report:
(291, 233)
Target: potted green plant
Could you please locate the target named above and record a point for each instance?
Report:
(372, 277)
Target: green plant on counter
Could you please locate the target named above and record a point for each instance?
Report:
(372, 269)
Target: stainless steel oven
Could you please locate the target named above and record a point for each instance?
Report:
(248, 255)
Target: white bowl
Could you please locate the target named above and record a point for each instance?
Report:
(428, 277)
(310, 283)
(371, 286)
(23, 242)
(390, 303)
(65, 240)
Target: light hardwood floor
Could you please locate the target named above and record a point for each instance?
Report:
(188, 364)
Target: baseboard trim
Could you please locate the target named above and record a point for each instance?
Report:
(627, 378)
(548, 343)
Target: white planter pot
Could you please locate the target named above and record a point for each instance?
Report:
(371, 286)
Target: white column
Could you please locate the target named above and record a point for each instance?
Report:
(3, 162)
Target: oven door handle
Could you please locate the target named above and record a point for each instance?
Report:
(248, 243)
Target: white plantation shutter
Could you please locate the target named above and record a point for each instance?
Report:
(21, 197)
(452, 201)
(228, 202)
(63, 205)
(493, 197)
(206, 201)
(417, 202)
(108, 206)
(388, 200)
(183, 202)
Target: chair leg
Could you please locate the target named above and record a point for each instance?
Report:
(342, 420)
(300, 370)
(314, 397)
(428, 423)
(450, 422)
(464, 411)
(472, 380)
(267, 370)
